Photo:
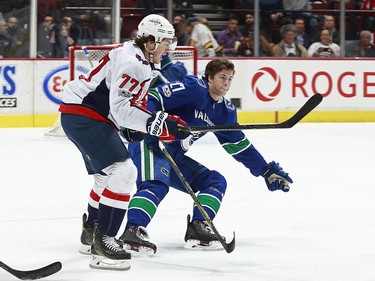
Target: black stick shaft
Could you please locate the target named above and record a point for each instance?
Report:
(311, 103)
(229, 247)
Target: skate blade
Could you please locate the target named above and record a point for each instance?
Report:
(99, 262)
(85, 249)
(197, 245)
(139, 251)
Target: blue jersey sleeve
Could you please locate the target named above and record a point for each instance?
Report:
(239, 146)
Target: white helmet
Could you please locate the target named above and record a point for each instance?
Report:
(157, 26)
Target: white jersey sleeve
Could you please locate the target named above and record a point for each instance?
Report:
(130, 79)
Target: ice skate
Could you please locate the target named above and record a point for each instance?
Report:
(107, 253)
(200, 236)
(86, 237)
(135, 238)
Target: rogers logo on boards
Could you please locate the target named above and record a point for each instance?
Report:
(266, 83)
(266, 72)
(347, 84)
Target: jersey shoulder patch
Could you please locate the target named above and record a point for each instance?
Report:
(229, 105)
(201, 82)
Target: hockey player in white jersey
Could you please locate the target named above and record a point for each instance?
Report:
(113, 97)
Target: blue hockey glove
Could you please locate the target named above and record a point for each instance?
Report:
(276, 178)
(165, 126)
(131, 135)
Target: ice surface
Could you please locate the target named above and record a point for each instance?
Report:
(322, 230)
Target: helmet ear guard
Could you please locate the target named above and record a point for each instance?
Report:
(157, 26)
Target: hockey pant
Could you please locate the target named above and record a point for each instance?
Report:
(107, 159)
(155, 176)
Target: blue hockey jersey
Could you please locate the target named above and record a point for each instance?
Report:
(190, 99)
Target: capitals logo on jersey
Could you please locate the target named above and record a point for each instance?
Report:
(124, 93)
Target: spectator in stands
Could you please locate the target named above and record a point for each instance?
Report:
(266, 47)
(301, 8)
(61, 39)
(246, 49)
(102, 27)
(19, 38)
(303, 37)
(330, 24)
(203, 39)
(363, 48)
(182, 29)
(44, 33)
(247, 29)
(177, 18)
(272, 18)
(230, 38)
(368, 18)
(73, 30)
(84, 26)
(5, 40)
(325, 47)
(288, 46)
(248, 25)
(204, 21)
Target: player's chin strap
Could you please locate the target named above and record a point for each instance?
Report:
(156, 72)
(151, 53)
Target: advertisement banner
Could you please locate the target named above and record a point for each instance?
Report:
(16, 87)
(31, 89)
(270, 84)
(49, 81)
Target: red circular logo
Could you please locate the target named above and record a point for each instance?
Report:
(255, 84)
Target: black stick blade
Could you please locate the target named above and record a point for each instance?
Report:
(311, 103)
(33, 274)
(229, 247)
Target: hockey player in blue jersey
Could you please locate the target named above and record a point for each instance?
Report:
(198, 102)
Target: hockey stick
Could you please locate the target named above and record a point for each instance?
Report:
(228, 247)
(87, 55)
(33, 274)
(311, 103)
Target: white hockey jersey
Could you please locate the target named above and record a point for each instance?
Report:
(115, 91)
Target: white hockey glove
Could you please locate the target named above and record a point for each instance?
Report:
(166, 127)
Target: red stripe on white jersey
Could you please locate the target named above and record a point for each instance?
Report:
(115, 200)
(94, 199)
